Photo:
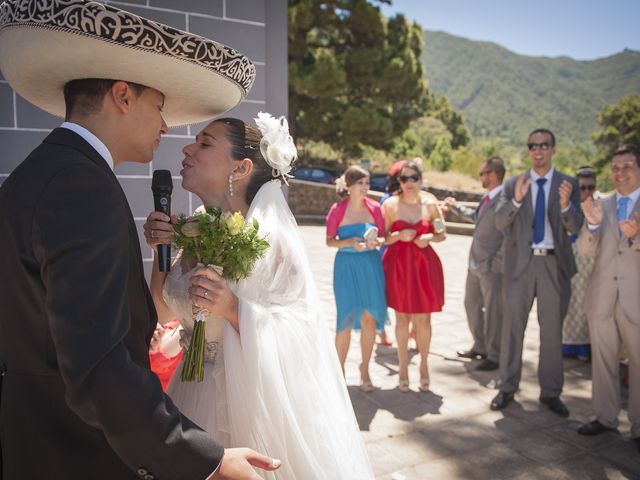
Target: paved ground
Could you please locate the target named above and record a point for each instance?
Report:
(449, 432)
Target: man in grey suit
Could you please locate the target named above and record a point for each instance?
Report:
(483, 291)
(537, 211)
(612, 303)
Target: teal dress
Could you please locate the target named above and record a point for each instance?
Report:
(358, 282)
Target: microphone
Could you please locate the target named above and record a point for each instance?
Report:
(162, 186)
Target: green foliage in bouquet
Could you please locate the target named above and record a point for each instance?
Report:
(222, 239)
(229, 244)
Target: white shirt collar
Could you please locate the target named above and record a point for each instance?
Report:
(92, 140)
(633, 196)
(495, 191)
(535, 176)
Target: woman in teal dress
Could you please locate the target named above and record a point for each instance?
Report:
(355, 225)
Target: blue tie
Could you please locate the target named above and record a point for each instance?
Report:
(622, 208)
(538, 225)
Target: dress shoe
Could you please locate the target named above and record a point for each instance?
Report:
(470, 354)
(501, 400)
(487, 365)
(637, 442)
(594, 428)
(555, 405)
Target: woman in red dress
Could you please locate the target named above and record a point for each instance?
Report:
(413, 272)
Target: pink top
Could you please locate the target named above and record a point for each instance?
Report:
(338, 209)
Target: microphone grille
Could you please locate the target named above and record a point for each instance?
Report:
(162, 181)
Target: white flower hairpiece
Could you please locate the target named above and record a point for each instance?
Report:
(276, 146)
(341, 184)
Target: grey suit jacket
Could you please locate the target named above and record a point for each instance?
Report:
(486, 254)
(616, 271)
(517, 225)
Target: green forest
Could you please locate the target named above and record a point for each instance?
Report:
(505, 95)
(366, 87)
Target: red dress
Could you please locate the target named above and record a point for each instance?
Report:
(415, 283)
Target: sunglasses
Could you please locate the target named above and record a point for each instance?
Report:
(535, 146)
(405, 178)
(587, 187)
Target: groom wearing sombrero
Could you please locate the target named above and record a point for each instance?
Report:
(78, 399)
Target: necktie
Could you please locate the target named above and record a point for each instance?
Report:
(623, 202)
(538, 225)
(483, 204)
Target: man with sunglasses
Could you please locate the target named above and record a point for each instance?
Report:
(612, 235)
(537, 211)
(483, 290)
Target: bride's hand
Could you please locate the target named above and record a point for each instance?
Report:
(158, 229)
(211, 291)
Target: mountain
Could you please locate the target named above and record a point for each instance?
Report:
(505, 95)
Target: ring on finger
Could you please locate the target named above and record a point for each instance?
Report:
(153, 234)
(206, 292)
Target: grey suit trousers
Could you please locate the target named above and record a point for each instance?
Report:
(483, 304)
(540, 281)
(606, 335)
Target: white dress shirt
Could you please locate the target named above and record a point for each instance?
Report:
(92, 140)
(494, 192)
(547, 241)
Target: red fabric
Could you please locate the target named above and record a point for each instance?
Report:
(164, 366)
(338, 209)
(415, 282)
(396, 167)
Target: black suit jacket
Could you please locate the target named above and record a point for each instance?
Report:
(76, 317)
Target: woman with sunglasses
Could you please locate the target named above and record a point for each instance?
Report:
(413, 272)
(353, 226)
(575, 329)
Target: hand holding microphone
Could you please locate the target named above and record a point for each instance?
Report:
(157, 228)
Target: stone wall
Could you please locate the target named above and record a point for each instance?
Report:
(310, 202)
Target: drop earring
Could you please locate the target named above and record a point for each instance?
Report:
(231, 185)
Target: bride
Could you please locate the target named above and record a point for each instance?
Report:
(272, 380)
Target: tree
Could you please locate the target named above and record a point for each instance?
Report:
(355, 77)
(620, 124)
(442, 156)
(453, 120)
(420, 138)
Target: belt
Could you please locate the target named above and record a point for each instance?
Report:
(543, 252)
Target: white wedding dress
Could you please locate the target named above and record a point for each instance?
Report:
(276, 386)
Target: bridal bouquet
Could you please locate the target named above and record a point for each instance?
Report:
(228, 243)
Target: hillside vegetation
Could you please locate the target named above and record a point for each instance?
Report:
(505, 95)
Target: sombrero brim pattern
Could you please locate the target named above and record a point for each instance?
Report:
(46, 43)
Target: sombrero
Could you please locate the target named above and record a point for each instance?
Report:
(46, 43)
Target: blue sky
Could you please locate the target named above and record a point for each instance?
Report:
(582, 29)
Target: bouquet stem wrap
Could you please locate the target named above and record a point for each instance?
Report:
(193, 366)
